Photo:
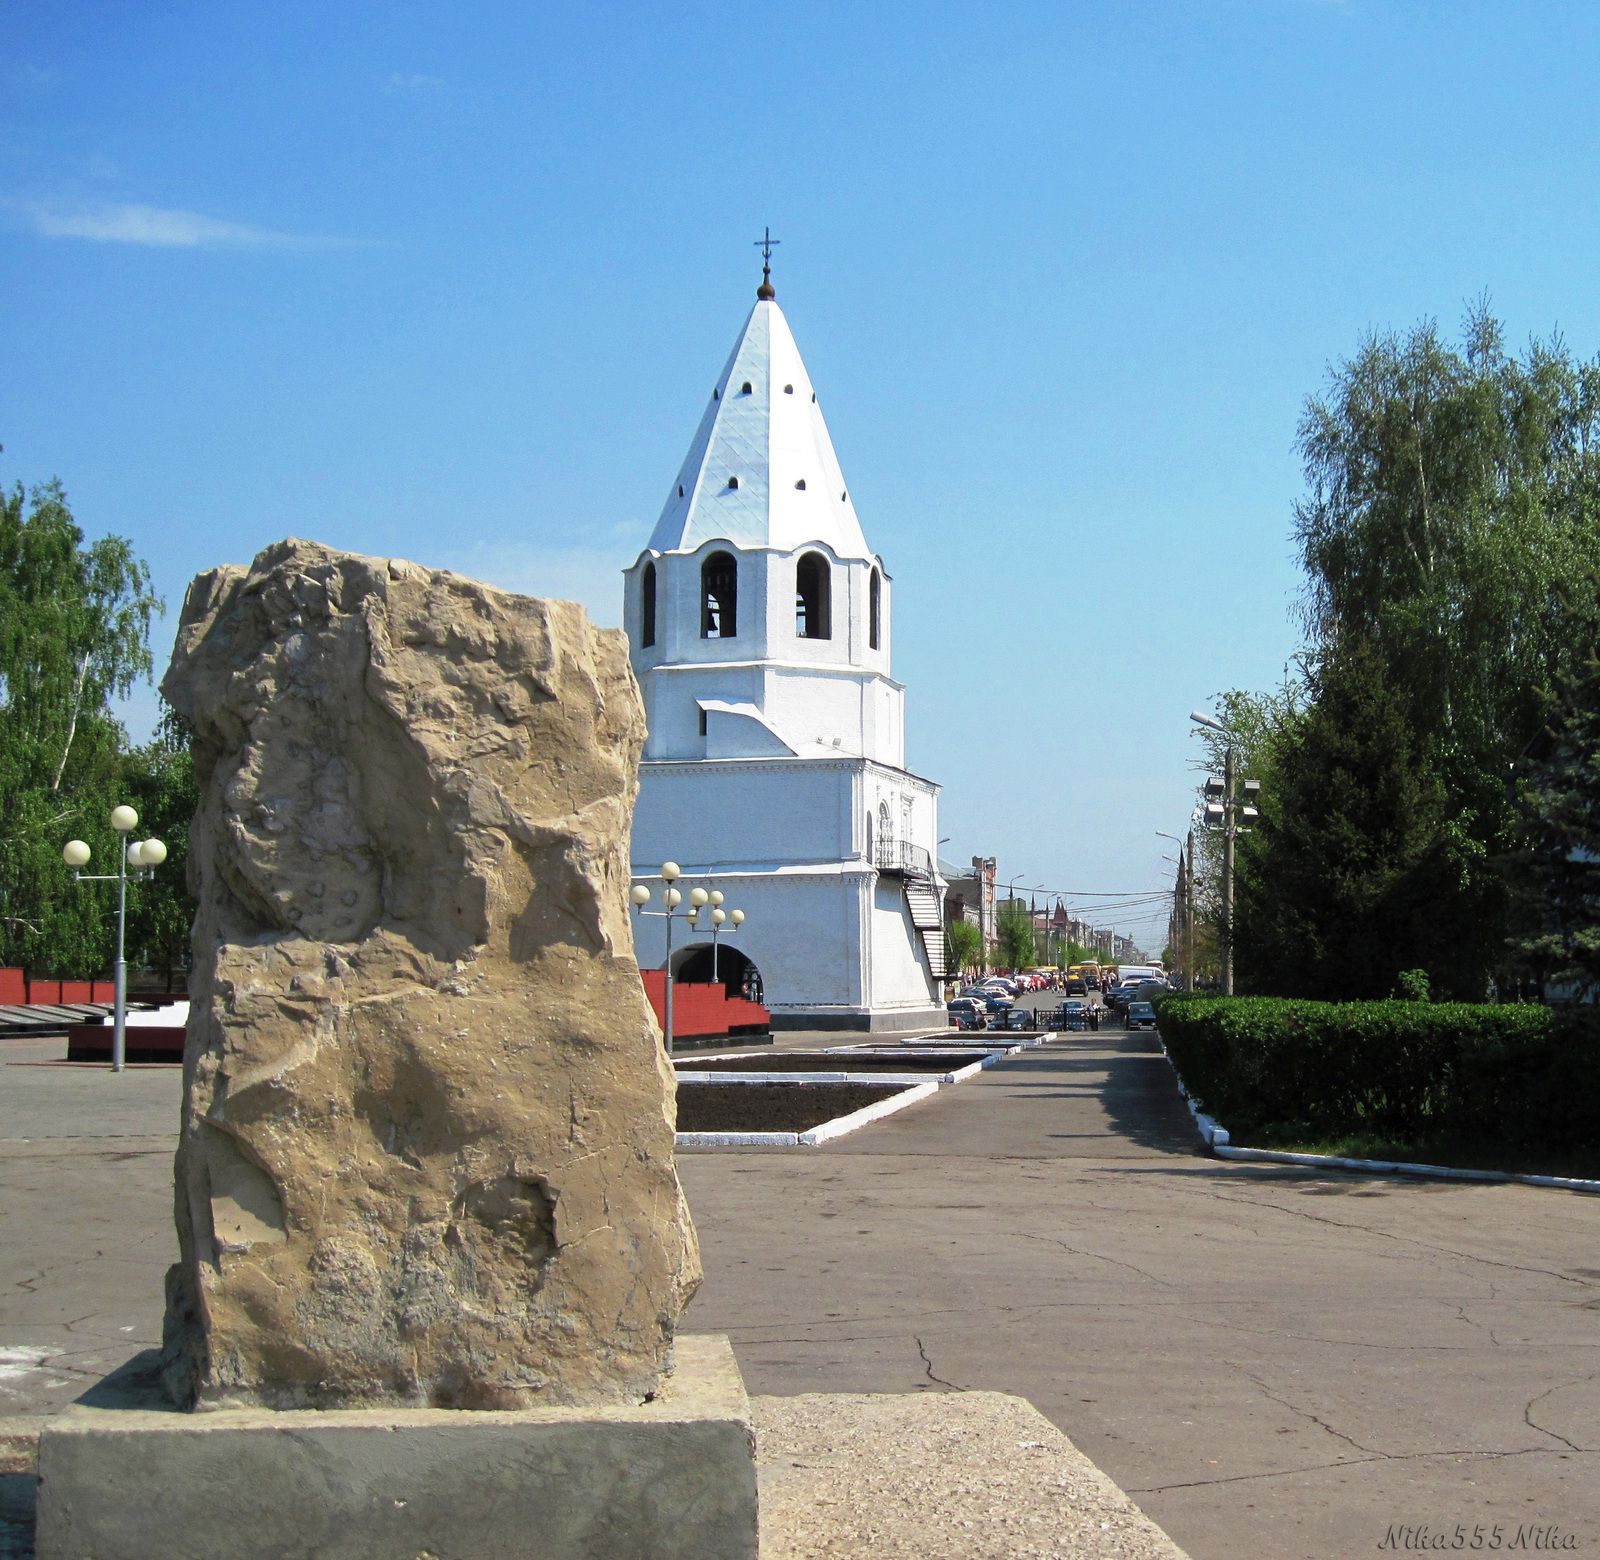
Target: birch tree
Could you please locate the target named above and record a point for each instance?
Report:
(74, 634)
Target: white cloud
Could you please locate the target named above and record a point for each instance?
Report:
(156, 226)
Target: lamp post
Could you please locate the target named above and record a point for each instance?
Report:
(672, 897)
(144, 856)
(1233, 816)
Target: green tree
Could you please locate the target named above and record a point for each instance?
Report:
(74, 633)
(158, 780)
(963, 946)
(1553, 871)
(1257, 726)
(1014, 945)
(1356, 872)
(1453, 508)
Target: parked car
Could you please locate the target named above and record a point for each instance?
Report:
(1141, 1016)
(998, 1001)
(1015, 1018)
(968, 1012)
(1132, 991)
(1074, 1013)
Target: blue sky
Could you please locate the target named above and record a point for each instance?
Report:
(453, 283)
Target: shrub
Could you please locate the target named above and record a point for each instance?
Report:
(1522, 1075)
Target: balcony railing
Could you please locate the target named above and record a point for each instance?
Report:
(902, 856)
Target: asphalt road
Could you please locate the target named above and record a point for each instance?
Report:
(1272, 1361)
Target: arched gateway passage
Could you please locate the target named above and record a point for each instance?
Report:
(692, 967)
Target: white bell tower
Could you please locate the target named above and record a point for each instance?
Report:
(759, 624)
(760, 620)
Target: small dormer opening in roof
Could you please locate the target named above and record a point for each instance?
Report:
(745, 389)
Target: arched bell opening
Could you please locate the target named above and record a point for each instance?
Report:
(647, 607)
(719, 597)
(813, 598)
(692, 967)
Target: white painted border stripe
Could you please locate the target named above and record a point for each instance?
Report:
(1395, 1167)
(840, 1125)
(738, 1139)
(894, 1080)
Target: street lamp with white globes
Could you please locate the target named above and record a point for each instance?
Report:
(671, 897)
(144, 856)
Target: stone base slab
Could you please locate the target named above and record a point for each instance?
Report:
(672, 1479)
(936, 1476)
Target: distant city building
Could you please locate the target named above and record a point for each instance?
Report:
(760, 625)
(969, 895)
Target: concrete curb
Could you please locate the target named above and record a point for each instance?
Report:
(828, 1130)
(19, 1445)
(1216, 1138)
(900, 1080)
(1213, 1134)
(1398, 1167)
(919, 1087)
(738, 1140)
(841, 1125)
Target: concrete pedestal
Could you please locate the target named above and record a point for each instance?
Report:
(657, 1481)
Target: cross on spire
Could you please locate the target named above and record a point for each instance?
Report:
(766, 243)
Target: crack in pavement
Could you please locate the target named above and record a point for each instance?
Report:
(1527, 1414)
(927, 1365)
(1407, 1240)
(1305, 1413)
(1461, 1315)
(1078, 1251)
(1343, 1462)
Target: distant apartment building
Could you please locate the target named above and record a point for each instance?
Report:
(969, 895)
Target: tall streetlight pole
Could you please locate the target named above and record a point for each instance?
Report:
(1222, 811)
(144, 856)
(672, 897)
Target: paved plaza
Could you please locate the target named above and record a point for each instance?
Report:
(1271, 1361)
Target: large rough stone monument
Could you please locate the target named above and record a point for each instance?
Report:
(426, 1155)
(427, 1150)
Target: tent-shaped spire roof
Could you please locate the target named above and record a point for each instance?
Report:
(761, 471)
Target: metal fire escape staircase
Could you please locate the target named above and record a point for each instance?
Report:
(915, 865)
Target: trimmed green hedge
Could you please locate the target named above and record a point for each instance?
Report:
(1522, 1075)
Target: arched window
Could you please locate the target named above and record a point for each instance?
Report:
(874, 609)
(813, 598)
(647, 606)
(719, 597)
